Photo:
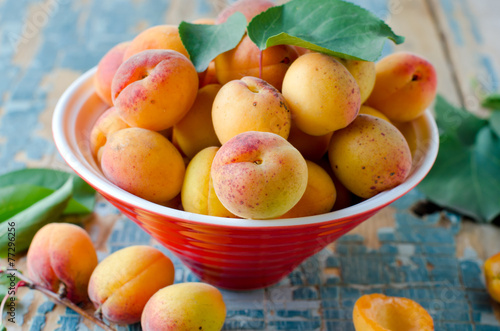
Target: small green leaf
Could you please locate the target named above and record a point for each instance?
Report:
(204, 42)
(492, 101)
(465, 175)
(27, 222)
(83, 194)
(333, 27)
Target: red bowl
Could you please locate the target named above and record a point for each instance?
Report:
(230, 253)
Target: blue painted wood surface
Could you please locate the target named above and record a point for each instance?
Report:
(416, 259)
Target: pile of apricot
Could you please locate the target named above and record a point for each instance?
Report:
(278, 134)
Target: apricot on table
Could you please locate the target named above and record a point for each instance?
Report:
(106, 69)
(259, 175)
(185, 307)
(124, 281)
(197, 193)
(377, 312)
(492, 275)
(108, 123)
(319, 196)
(243, 60)
(249, 104)
(154, 89)
(144, 163)
(405, 86)
(157, 37)
(62, 254)
(195, 130)
(322, 94)
(369, 156)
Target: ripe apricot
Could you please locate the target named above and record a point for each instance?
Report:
(124, 281)
(185, 307)
(62, 254)
(369, 156)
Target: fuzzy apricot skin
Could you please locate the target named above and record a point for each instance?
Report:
(62, 253)
(144, 163)
(492, 275)
(157, 37)
(124, 281)
(250, 104)
(377, 312)
(185, 307)
(369, 156)
(321, 93)
(154, 89)
(106, 69)
(405, 85)
(259, 175)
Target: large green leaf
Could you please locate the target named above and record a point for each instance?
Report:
(457, 121)
(495, 122)
(465, 176)
(23, 226)
(204, 42)
(83, 196)
(333, 27)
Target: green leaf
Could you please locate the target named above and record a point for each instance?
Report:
(465, 175)
(15, 198)
(333, 27)
(495, 122)
(27, 222)
(83, 194)
(204, 42)
(457, 121)
(492, 101)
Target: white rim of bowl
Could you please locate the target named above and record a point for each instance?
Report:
(62, 143)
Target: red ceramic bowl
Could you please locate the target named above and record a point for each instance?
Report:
(229, 253)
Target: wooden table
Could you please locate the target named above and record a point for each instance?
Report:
(436, 260)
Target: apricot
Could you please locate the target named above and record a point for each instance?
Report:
(244, 59)
(344, 197)
(209, 76)
(197, 193)
(369, 156)
(106, 70)
(144, 163)
(492, 275)
(124, 281)
(249, 8)
(185, 307)
(372, 111)
(108, 123)
(155, 89)
(319, 196)
(405, 86)
(322, 94)
(62, 254)
(249, 104)
(156, 37)
(195, 130)
(377, 312)
(259, 175)
(311, 147)
(364, 73)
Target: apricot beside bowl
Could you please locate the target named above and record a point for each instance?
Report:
(236, 254)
